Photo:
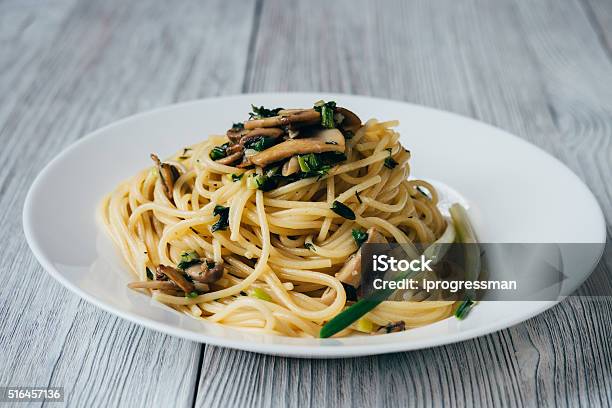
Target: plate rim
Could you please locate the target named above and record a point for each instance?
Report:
(323, 349)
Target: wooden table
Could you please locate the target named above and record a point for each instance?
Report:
(540, 69)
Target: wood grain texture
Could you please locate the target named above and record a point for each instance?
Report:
(541, 70)
(69, 67)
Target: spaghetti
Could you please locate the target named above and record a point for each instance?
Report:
(237, 231)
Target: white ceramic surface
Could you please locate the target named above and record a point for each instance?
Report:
(515, 193)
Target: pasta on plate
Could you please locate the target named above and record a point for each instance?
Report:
(261, 228)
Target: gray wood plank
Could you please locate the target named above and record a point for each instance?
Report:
(69, 67)
(537, 69)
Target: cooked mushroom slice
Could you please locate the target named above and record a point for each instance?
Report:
(351, 271)
(206, 272)
(350, 121)
(161, 285)
(166, 286)
(261, 132)
(294, 117)
(235, 134)
(291, 166)
(232, 158)
(329, 140)
(393, 327)
(177, 277)
(168, 174)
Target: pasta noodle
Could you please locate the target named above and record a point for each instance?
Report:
(281, 248)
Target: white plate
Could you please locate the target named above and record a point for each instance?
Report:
(515, 191)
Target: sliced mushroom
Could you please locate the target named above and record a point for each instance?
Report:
(161, 285)
(351, 271)
(291, 166)
(288, 117)
(177, 277)
(261, 132)
(329, 140)
(350, 121)
(235, 134)
(232, 158)
(393, 327)
(166, 286)
(204, 273)
(168, 174)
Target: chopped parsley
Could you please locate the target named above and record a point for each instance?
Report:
(360, 237)
(149, 274)
(219, 152)
(223, 221)
(319, 164)
(327, 110)
(236, 177)
(260, 143)
(189, 259)
(390, 163)
(237, 126)
(261, 112)
(310, 246)
(192, 295)
(343, 210)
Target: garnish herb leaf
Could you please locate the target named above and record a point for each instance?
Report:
(260, 143)
(219, 152)
(188, 259)
(327, 110)
(236, 177)
(464, 308)
(318, 164)
(238, 126)
(343, 210)
(309, 245)
(360, 237)
(223, 221)
(149, 274)
(192, 295)
(261, 294)
(261, 112)
(390, 163)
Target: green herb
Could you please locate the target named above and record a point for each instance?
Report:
(188, 259)
(360, 237)
(310, 246)
(236, 177)
(223, 221)
(261, 112)
(319, 164)
(192, 295)
(343, 210)
(260, 143)
(149, 274)
(327, 110)
(390, 163)
(219, 152)
(464, 308)
(238, 126)
(261, 294)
